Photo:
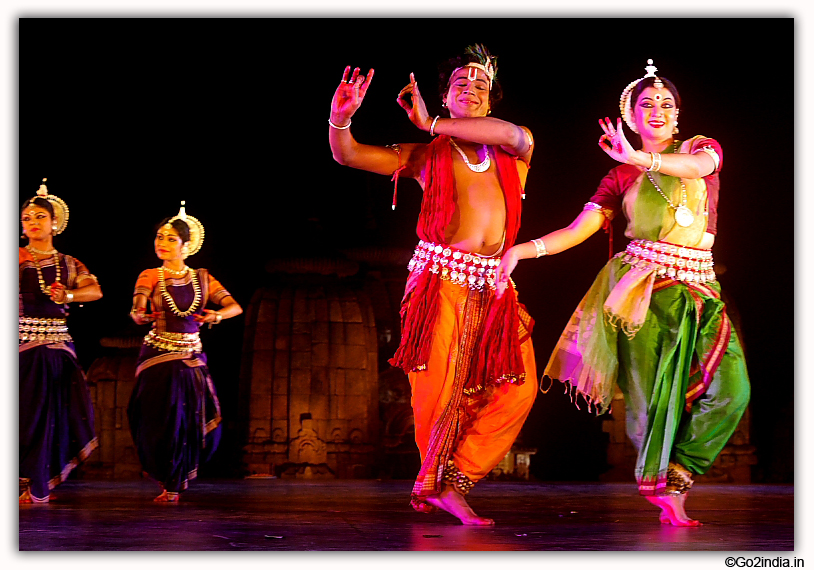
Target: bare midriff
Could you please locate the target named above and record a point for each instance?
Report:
(707, 241)
(479, 221)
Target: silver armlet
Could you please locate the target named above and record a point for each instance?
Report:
(541, 250)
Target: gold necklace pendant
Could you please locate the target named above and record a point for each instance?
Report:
(40, 279)
(196, 301)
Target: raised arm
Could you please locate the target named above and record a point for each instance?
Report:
(346, 150)
(682, 165)
(584, 226)
(512, 138)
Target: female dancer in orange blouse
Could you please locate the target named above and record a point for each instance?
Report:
(56, 414)
(174, 411)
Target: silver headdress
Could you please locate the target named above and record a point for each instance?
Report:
(624, 100)
(487, 63)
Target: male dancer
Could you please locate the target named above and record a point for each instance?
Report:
(467, 353)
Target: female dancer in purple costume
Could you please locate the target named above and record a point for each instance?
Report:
(56, 414)
(174, 411)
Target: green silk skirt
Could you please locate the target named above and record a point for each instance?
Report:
(683, 373)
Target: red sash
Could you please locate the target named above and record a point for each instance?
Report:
(496, 358)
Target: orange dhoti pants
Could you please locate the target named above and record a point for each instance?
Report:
(480, 428)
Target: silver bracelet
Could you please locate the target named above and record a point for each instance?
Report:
(541, 250)
(432, 126)
(655, 162)
(68, 296)
(338, 127)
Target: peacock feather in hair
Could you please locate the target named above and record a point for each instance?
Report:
(485, 58)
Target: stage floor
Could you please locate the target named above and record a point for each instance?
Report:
(367, 515)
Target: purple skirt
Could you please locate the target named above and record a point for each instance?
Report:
(174, 417)
(56, 417)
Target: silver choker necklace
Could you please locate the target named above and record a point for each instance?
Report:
(483, 166)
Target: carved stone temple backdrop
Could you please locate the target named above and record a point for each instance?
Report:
(316, 396)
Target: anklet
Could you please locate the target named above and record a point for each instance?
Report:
(458, 480)
(679, 479)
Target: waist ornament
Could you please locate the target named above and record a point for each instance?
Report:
(43, 329)
(682, 263)
(174, 342)
(463, 268)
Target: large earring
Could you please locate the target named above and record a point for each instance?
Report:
(54, 228)
(675, 128)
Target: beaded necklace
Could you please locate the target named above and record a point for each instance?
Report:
(483, 166)
(683, 215)
(31, 248)
(171, 302)
(45, 289)
(179, 273)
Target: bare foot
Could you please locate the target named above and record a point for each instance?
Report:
(672, 510)
(26, 498)
(167, 497)
(454, 503)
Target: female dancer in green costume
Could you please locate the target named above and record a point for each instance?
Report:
(678, 362)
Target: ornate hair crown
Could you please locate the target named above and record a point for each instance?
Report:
(624, 100)
(196, 229)
(61, 211)
(487, 62)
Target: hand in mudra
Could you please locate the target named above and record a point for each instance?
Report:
(410, 100)
(208, 316)
(350, 94)
(58, 292)
(614, 142)
(140, 316)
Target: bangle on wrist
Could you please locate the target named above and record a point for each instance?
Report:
(541, 250)
(655, 162)
(68, 296)
(218, 318)
(432, 126)
(338, 127)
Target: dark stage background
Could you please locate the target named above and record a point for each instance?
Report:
(126, 117)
